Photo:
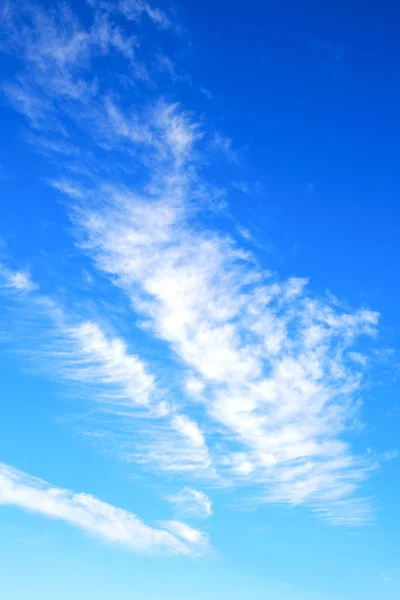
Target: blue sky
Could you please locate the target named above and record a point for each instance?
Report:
(198, 300)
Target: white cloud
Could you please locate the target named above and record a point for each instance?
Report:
(194, 387)
(272, 366)
(192, 503)
(189, 535)
(133, 10)
(100, 367)
(177, 132)
(57, 51)
(359, 358)
(90, 514)
(274, 360)
(175, 445)
(189, 430)
(19, 281)
(94, 357)
(80, 351)
(244, 232)
(67, 188)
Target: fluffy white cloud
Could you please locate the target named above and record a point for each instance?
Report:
(90, 514)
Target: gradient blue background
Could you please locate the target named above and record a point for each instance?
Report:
(311, 91)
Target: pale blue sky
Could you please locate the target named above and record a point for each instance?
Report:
(198, 300)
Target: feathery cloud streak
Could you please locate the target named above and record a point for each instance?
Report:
(113, 525)
(192, 503)
(101, 369)
(269, 381)
(272, 361)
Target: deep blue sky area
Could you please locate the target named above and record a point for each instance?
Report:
(317, 103)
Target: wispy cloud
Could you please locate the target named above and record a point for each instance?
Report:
(15, 280)
(92, 356)
(272, 360)
(223, 146)
(243, 186)
(133, 10)
(57, 51)
(250, 188)
(99, 367)
(206, 92)
(391, 454)
(174, 446)
(113, 525)
(270, 375)
(192, 536)
(78, 350)
(67, 188)
(192, 503)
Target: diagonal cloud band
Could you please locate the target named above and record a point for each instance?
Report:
(90, 514)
